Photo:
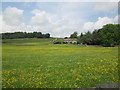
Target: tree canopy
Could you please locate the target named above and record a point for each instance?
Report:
(108, 35)
(24, 35)
(74, 35)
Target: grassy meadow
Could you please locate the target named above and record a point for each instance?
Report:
(37, 63)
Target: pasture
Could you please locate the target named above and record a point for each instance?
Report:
(37, 63)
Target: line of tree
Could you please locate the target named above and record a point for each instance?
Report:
(108, 35)
(16, 35)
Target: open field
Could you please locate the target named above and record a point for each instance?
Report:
(37, 63)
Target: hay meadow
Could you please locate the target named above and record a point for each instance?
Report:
(38, 63)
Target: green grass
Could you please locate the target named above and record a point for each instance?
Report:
(56, 66)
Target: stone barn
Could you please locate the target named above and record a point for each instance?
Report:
(70, 40)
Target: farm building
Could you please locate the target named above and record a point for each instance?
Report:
(70, 40)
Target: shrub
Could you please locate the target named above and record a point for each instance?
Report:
(57, 42)
(65, 43)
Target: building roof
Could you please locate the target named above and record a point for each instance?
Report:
(70, 39)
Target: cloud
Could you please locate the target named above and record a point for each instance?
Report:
(1, 21)
(62, 28)
(106, 6)
(3, 25)
(13, 16)
(41, 21)
(72, 11)
(42, 17)
(99, 23)
(46, 22)
(88, 26)
(117, 19)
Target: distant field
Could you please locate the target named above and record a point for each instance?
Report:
(37, 63)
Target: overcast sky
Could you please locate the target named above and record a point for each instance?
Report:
(60, 19)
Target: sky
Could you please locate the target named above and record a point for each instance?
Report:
(60, 19)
